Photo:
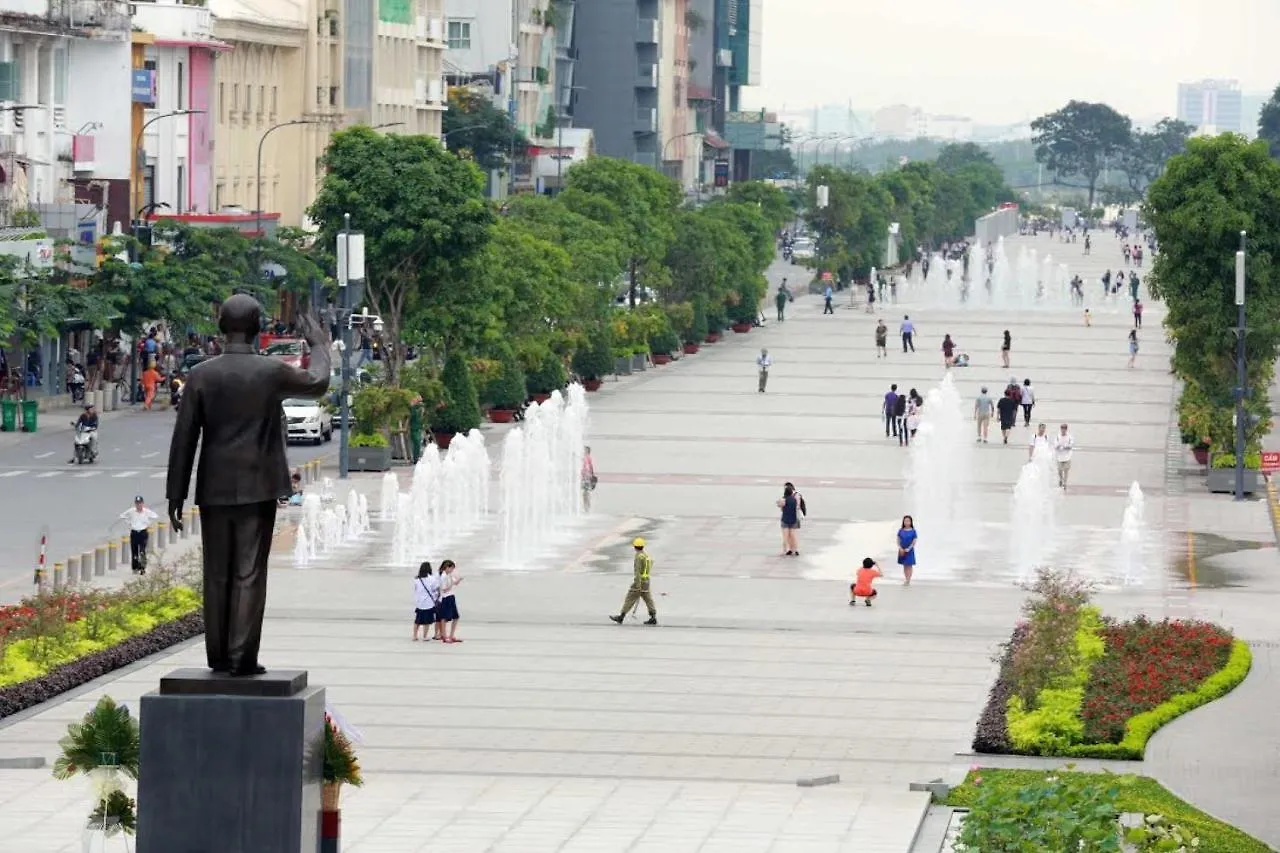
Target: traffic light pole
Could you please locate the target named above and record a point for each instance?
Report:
(1241, 420)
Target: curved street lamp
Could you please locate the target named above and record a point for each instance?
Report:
(140, 156)
(257, 210)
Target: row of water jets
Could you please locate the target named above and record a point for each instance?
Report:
(939, 485)
(327, 525)
(993, 280)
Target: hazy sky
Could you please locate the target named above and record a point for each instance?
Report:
(1000, 61)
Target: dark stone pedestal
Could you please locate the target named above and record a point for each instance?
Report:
(231, 765)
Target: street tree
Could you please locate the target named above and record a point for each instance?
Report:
(476, 129)
(772, 202)
(638, 201)
(1144, 158)
(424, 219)
(1269, 123)
(707, 258)
(954, 157)
(1221, 186)
(853, 227)
(598, 253)
(1080, 140)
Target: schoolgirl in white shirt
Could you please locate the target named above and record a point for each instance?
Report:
(426, 598)
(447, 612)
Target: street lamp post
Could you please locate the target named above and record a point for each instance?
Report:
(350, 268)
(140, 156)
(257, 211)
(1240, 368)
(673, 139)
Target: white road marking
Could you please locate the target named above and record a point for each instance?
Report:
(47, 474)
(12, 473)
(826, 482)
(160, 475)
(123, 474)
(149, 455)
(86, 475)
(44, 455)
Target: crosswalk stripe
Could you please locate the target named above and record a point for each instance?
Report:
(47, 474)
(124, 474)
(12, 473)
(86, 475)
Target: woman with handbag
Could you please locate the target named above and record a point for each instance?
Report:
(589, 479)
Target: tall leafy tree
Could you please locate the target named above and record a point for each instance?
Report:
(479, 131)
(853, 227)
(424, 219)
(638, 201)
(1269, 123)
(771, 201)
(1144, 158)
(1081, 139)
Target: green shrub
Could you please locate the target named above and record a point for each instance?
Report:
(461, 411)
(596, 359)
(1055, 724)
(368, 439)
(380, 407)
(548, 376)
(1252, 461)
(1059, 812)
(698, 331)
(717, 319)
(664, 342)
(506, 390)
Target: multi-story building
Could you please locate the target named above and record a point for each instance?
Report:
(405, 86)
(1211, 103)
(65, 126)
(1251, 112)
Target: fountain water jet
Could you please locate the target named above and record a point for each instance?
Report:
(1034, 524)
(1132, 537)
(940, 476)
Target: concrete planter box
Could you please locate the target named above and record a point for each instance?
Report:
(369, 459)
(638, 361)
(622, 365)
(1222, 481)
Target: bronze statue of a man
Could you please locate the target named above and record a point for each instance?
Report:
(231, 409)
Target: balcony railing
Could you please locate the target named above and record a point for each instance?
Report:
(646, 120)
(647, 31)
(92, 14)
(647, 77)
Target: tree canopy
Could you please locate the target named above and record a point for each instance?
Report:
(1269, 123)
(1080, 139)
(477, 130)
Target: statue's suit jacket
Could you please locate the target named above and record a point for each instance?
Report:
(231, 409)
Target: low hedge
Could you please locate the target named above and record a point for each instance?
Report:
(1135, 794)
(1140, 727)
(27, 694)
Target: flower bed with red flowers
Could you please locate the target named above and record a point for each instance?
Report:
(1146, 664)
(17, 618)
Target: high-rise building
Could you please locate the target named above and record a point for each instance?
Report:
(1211, 104)
(1251, 111)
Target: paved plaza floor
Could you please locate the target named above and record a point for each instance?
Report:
(550, 728)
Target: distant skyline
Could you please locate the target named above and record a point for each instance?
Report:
(1010, 62)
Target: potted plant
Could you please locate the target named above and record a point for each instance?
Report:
(378, 411)
(505, 392)
(368, 451)
(105, 746)
(594, 361)
(743, 316)
(698, 328)
(664, 344)
(548, 376)
(1222, 472)
(639, 356)
(461, 410)
(340, 765)
(716, 324)
(622, 360)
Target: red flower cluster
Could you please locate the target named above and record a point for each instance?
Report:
(16, 618)
(1147, 663)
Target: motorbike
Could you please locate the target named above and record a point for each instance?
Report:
(86, 446)
(76, 383)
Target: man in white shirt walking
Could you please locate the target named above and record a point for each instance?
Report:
(1039, 440)
(763, 363)
(139, 517)
(1063, 444)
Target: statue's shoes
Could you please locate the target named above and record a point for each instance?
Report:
(242, 671)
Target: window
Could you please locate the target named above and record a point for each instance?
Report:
(262, 99)
(459, 35)
(273, 101)
(182, 187)
(218, 193)
(60, 63)
(248, 100)
(10, 82)
(333, 96)
(235, 99)
(222, 106)
(182, 90)
(319, 96)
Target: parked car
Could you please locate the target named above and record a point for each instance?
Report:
(307, 420)
(289, 350)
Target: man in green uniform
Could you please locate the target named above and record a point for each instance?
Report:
(639, 586)
(780, 299)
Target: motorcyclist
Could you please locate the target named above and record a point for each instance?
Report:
(88, 420)
(76, 383)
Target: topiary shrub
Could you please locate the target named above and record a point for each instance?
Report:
(664, 341)
(548, 376)
(700, 328)
(461, 411)
(507, 388)
(717, 319)
(595, 360)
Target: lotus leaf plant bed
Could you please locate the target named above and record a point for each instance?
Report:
(54, 642)
(1075, 683)
(1012, 811)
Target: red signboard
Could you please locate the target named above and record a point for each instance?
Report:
(826, 276)
(1270, 461)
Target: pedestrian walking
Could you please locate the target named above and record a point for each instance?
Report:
(827, 295)
(1005, 346)
(763, 363)
(641, 568)
(914, 404)
(1007, 409)
(1088, 318)
(447, 611)
(150, 381)
(426, 594)
(863, 585)
(982, 409)
(889, 409)
(900, 420)
(1133, 346)
(871, 296)
(908, 331)
(1038, 443)
(1028, 401)
(948, 351)
(882, 339)
(907, 537)
(790, 504)
(1063, 446)
(139, 517)
(1137, 313)
(588, 479)
(780, 300)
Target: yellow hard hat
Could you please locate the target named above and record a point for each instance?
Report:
(637, 542)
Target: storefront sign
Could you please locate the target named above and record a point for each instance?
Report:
(144, 86)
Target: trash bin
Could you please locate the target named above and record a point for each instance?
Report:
(8, 415)
(29, 409)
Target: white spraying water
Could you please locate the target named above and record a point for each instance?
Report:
(541, 474)
(1132, 537)
(1034, 524)
(390, 490)
(448, 498)
(301, 547)
(979, 288)
(940, 477)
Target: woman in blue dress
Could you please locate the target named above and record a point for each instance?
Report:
(907, 548)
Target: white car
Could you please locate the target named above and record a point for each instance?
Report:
(802, 250)
(307, 420)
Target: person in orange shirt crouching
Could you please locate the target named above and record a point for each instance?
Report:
(863, 586)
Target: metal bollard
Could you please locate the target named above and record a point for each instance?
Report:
(73, 571)
(100, 560)
(159, 538)
(59, 576)
(195, 520)
(173, 535)
(87, 560)
(112, 556)
(126, 554)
